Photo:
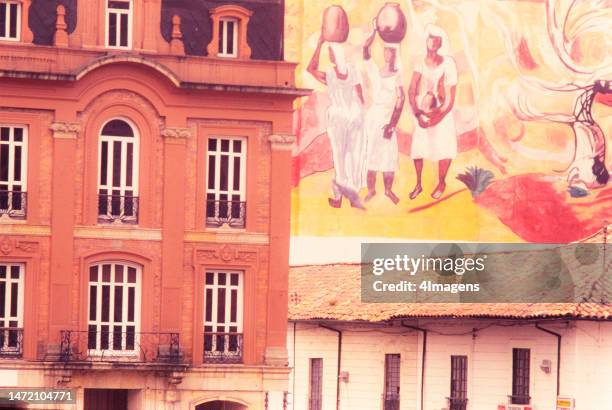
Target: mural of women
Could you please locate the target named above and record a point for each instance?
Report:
(345, 112)
(432, 96)
(383, 116)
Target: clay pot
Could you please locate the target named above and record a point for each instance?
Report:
(335, 26)
(391, 23)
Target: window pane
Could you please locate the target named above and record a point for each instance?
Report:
(236, 174)
(131, 275)
(129, 164)
(4, 131)
(2, 300)
(15, 271)
(116, 164)
(131, 303)
(224, 172)
(222, 278)
(221, 36)
(225, 145)
(103, 163)
(212, 144)
(13, 22)
(124, 5)
(234, 305)
(210, 278)
(18, 134)
(118, 273)
(106, 276)
(124, 30)
(105, 303)
(104, 337)
(211, 172)
(209, 297)
(112, 29)
(230, 37)
(93, 300)
(237, 146)
(4, 162)
(3, 28)
(235, 279)
(118, 313)
(14, 296)
(117, 128)
(221, 305)
(17, 165)
(91, 337)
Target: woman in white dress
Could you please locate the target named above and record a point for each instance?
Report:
(432, 96)
(344, 123)
(382, 117)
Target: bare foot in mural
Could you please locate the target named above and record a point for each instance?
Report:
(416, 191)
(439, 191)
(357, 204)
(369, 196)
(335, 203)
(392, 196)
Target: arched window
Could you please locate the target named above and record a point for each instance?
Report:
(114, 308)
(118, 173)
(221, 405)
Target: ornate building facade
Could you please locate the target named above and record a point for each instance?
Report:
(145, 154)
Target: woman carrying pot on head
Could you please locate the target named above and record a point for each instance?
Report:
(344, 121)
(432, 96)
(382, 117)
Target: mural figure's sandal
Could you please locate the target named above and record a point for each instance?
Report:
(335, 203)
(438, 192)
(392, 197)
(369, 196)
(416, 192)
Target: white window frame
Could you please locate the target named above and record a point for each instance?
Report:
(8, 280)
(125, 141)
(12, 144)
(214, 287)
(217, 153)
(111, 309)
(7, 21)
(223, 33)
(130, 22)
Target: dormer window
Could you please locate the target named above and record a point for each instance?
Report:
(119, 24)
(10, 20)
(229, 32)
(228, 37)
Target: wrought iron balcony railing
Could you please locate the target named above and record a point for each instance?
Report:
(222, 348)
(11, 342)
(13, 204)
(118, 209)
(457, 403)
(391, 401)
(230, 213)
(113, 346)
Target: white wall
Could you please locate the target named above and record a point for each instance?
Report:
(586, 363)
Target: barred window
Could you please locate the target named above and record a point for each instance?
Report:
(114, 307)
(458, 385)
(226, 182)
(11, 307)
(119, 24)
(315, 396)
(520, 376)
(13, 170)
(392, 382)
(10, 20)
(118, 173)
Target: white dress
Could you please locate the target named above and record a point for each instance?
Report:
(382, 153)
(440, 141)
(581, 170)
(345, 132)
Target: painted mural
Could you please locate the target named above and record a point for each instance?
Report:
(452, 120)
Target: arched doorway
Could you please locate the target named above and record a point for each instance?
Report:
(221, 405)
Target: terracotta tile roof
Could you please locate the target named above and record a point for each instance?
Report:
(332, 292)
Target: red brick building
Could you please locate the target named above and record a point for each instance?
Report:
(144, 201)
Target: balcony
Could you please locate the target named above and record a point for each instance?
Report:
(116, 346)
(225, 213)
(115, 209)
(13, 204)
(11, 342)
(222, 348)
(457, 403)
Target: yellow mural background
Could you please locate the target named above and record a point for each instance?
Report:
(482, 34)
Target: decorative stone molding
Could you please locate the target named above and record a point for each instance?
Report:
(65, 130)
(226, 254)
(176, 133)
(283, 142)
(8, 246)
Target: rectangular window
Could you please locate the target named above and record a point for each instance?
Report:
(223, 304)
(114, 300)
(11, 308)
(13, 171)
(119, 24)
(458, 386)
(392, 382)
(10, 20)
(315, 397)
(226, 182)
(520, 376)
(228, 37)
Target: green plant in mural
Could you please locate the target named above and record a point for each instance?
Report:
(476, 179)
